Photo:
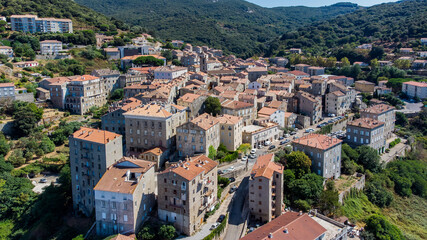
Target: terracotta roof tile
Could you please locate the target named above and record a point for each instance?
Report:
(378, 109)
(95, 135)
(150, 110)
(189, 97)
(205, 121)
(318, 141)
(229, 119)
(193, 167)
(265, 167)
(236, 104)
(365, 123)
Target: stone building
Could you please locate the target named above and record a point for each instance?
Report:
(84, 92)
(151, 126)
(186, 190)
(266, 189)
(383, 113)
(240, 109)
(92, 151)
(336, 103)
(230, 131)
(194, 103)
(109, 78)
(124, 196)
(310, 106)
(114, 120)
(366, 131)
(197, 135)
(324, 152)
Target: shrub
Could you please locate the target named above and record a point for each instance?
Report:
(302, 205)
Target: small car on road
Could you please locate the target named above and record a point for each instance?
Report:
(272, 147)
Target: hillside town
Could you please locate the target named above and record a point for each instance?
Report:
(189, 137)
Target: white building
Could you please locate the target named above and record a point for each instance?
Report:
(169, 72)
(6, 50)
(33, 24)
(7, 90)
(50, 47)
(415, 89)
(275, 115)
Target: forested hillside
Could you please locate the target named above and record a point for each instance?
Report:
(235, 26)
(390, 22)
(83, 17)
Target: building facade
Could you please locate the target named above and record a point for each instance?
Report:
(383, 113)
(415, 89)
(366, 131)
(7, 90)
(258, 135)
(33, 24)
(92, 151)
(231, 131)
(336, 103)
(50, 47)
(324, 152)
(124, 196)
(266, 189)
(186, 190)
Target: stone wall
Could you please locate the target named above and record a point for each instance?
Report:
(359, 185)
(25, 97)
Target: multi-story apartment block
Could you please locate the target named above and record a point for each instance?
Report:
(266, 189)
(336, 103)
(256, 72)
(257, 135)
(415, 89)
(240, 109)
(33, 24)
(7, 90)
(109, 78)
(196, 136)
(131, 78)
(6, 50)
(366, 131)
(114, 120)
(318, 87)
(84, 92)
(50, 47)
(324, 152)
(92, 151)
(190, 59)
(151, 126)
(383, 113)
(58, 90)
(194, 103)
(186, 190)
(315, 71)
(169, 72)
(309, 105)
(230, 131)
(124, 196)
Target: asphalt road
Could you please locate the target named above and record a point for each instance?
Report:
(235, 217)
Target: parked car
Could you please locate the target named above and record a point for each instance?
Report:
(215, 225)
(272, 147)
(220, 218)
(293, 133)
(43, 180)
(253, 151)
(283, 142)
(296, 137)
(309, 130)
(281, 138)
(232, 189)
(220, 172)
(244, 158)
(267, 143)
(287, 135)
(252, 156)
(232, 179)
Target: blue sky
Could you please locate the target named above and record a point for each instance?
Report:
(314, 3)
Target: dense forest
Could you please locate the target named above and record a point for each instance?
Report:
(385, 23)
(235, 26)
(83, 17)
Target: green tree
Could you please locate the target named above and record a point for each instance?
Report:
(167, 54)
(378, 195)
(350, 152)
(377, 52)
(212, 152)
(79, 237)
(369, 158)
(382, 229)
(302, 205)
(148, 60)
(118, 94)
(212, 105)
(345, 62)
(328, 201)
(4, 145)
(167, 232)
(299, 163)
(402, 186)
(402, 64)
(308, 188)
(147, 233)
(401, 119)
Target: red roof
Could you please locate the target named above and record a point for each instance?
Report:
(298, 73)
(416, 84)
(318, 141)
(289, 226)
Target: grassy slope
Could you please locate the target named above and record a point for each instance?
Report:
(408, 214)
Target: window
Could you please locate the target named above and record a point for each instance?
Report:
(125, 218)
(103, 204)
(259, 187)
(104, 216)
(259, 203)
(355, 139)
(114, 205)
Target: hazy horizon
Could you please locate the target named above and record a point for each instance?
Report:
(314, 3)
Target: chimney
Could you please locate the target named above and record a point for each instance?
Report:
(286, 230)
(270, 235)
(127, 175)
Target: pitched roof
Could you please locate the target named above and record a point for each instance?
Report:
(266, 111)
(338, 93)
(192, 167)
(150, 110)
(115, 179)
(265, 167)
(378, 109)
(318, 141)
(365, 123)
(156, 151)
(233, 104)
(7, 85)
(417, 84)
(95, 135)
(288, 226)
(189, 97)
(229, 119)
(205, 121)
(50, 41)
(298, 73)
(364, 82)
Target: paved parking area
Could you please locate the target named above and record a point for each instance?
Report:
(39, 187)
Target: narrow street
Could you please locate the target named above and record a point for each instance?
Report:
(236, 212)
